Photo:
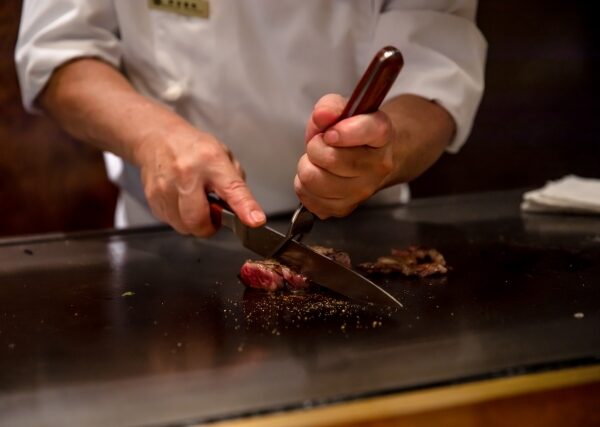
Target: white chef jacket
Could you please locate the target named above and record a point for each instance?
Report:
(252, 71)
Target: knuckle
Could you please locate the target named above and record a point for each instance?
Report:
(386, 131)
(161, 187)
(182, 168)
(383, 124)
(307, 176)
(234, 186)
(386, 165)
(214, 152)
(150, 192)
(236, 192)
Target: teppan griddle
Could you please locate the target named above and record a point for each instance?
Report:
(148, 328)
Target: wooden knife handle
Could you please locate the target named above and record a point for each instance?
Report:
(216, 206)
(375, 83)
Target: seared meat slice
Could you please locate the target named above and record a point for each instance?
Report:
(338, 256)
(271, 275)
(295, 281)
(265, 275)
(412, 261)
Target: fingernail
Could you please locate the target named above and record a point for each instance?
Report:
(258, 216)
(331, 137)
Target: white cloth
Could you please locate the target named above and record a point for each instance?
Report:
(570, 194)
(251, 73)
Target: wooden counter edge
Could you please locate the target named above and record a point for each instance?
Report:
(399, 404)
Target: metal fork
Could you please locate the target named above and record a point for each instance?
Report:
(302, 222)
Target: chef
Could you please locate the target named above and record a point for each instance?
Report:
(237, 97)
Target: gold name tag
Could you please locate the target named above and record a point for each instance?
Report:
(197, 8)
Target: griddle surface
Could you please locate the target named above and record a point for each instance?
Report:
(150, 328)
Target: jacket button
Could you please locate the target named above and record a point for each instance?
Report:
(173, 92)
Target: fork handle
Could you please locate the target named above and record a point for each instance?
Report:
(375, 83)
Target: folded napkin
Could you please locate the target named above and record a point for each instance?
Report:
(570, 194)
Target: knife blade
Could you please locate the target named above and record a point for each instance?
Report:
(318, 268)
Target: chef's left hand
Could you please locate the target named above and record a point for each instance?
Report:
(344, 164)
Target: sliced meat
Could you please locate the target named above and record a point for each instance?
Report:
(271, 275)
(338, 256)
(412, 261)
(295, 281)
(265, 275)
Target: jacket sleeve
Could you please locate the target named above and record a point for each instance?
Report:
(57, 31)
(444, 55)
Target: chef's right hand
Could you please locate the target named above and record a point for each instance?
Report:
(180, 166)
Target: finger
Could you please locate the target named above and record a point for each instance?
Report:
(323, 208)
(162, 200)
(326, 112)
(239, 169)
(191, 203)
(346, 162)
(321, 183)
(373, 130)
(195, 213)
(230, 186)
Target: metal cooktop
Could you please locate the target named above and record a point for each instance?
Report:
(148, 328)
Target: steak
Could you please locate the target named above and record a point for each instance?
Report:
(271, 275)
(412, 261)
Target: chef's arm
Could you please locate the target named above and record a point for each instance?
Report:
(95, 103)
(422, 130)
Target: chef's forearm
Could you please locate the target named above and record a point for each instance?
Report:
(95, 103)
(423, 131)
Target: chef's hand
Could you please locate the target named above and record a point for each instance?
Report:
(179, 168)
(94, 102)
(347, 163)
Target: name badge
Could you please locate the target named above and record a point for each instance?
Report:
(196, 8)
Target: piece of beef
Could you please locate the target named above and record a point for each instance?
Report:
(295, 281)
(412, 261)
(271, 275)
(338, 256)
(265, 275)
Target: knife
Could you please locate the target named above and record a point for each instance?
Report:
(318, 268)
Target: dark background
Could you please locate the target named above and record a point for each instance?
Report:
(537, 122)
